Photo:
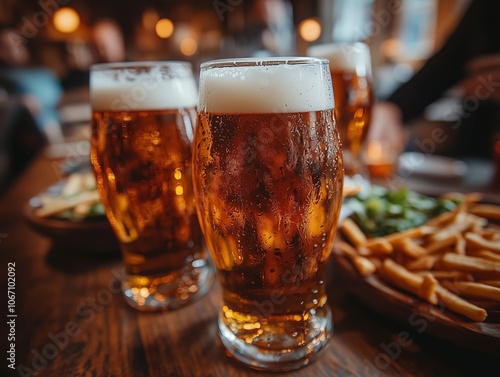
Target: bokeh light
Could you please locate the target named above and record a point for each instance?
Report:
(189, 46)
(310, 29)
(164, 28)
(149, 19)
(66, 20)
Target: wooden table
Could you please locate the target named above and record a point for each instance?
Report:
(72, 320)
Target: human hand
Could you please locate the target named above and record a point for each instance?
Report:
(483, 78)
(387, 126)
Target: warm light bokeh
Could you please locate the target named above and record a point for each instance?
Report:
(149, 19)
(66, 20)
(164, 28)
(189, 46)
(310, 29)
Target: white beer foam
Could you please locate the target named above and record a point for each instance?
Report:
(266, 88)
(108, 94)
(344, 56)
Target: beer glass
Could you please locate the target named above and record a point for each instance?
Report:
(143, 117)
(350, 67)
(267, 172)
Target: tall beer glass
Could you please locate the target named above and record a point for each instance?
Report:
(350, 67)
(267, 172)
(143, 117)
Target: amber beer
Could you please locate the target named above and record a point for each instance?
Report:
(268, 185)
(142, 126)
(350, 68)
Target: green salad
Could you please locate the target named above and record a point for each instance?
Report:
(380, 212)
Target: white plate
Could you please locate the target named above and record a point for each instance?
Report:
(433, 166)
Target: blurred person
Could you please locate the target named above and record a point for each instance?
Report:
(469, 62)
(107, 45)
(108, 41)
(271, 25)
(20, 139)
(37, 88)
(268, 31)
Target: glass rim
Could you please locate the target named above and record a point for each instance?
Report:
(144, 64)
(263, 62)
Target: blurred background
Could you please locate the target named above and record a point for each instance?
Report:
(47, 47)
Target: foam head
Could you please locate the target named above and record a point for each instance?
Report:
(142, 86)
(274, 85)
(345, 56)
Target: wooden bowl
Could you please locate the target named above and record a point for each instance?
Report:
(92, 235)
(417, 315)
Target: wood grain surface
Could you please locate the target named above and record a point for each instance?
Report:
(72, 320)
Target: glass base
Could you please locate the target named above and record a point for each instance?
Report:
(154, 293)
(278, 351)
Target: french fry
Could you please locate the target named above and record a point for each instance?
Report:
(453, 195)
(435, 247)
(460, 306)
(461, 223)
(364, 266)
(473, 197)
(72, 185)
(470, 264)
(476, 228)
(424, 263)
(427, 289)
(490, 234)
(478, 222)
(80, 211)
(448, 275)
(409, 247)
(376, 262)
(60, 204)
(468, 198)
(416, 232)
(478, 242)
(460, 245)
(346, 249)
(489, 211)
(441, 219)
(364, 251)
(352, 231)
(406, 280)
(485, 254)
(474, 290)
(379, 245)
(493, 283)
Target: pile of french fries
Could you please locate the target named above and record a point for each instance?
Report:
(453, 260)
